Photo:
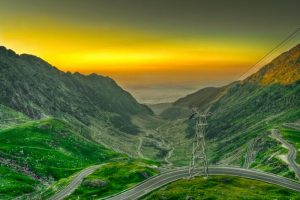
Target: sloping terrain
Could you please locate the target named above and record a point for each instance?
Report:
(200, 99)
(285, 69)
(95, 105)
(10, 117)
(159, 107)
(40, 157)
(243, 111)
(13, 183)
(45, 151)
(250, 108)
(112, 178)
(32, 86)
(52, 123)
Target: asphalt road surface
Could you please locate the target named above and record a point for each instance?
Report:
(74, 183)
(291, 154)
(171, 176)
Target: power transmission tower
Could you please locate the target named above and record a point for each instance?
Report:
(199, 157)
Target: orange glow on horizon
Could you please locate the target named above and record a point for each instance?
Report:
(120, 52)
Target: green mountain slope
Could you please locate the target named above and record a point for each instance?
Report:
(13, 183)
(252, 106)
(245, 111)
(50, 148)
(113, 178)
(159, 107)
(41, 152)
(201, 99)
(10, 117)
(95, 105)
(32, 86)
(283, 70)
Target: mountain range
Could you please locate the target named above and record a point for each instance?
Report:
(54, 123)
(244, 110)
(99, 108)
(34, 87)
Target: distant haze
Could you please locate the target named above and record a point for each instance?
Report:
(160, 95)
(158, 50)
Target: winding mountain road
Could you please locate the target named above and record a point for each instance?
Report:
(292, 154)
(171, 176)
(162, 179)
(74, 183)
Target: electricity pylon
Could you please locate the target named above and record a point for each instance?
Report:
(199, 157)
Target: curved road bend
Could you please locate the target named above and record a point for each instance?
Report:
(292, 154)
(165, 178)
(74, 183)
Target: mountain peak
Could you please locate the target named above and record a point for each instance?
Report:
(7, 52)
(284, 69)
(34, 87)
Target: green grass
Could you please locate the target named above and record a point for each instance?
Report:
(293, 137)
(48, 148)
(9, 117)
(54, 151)
(52, 189)
(221, 187)
(267, 160)
(113, 178)
(13, 184)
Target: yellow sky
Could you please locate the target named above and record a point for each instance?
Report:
(138, 61)
(170, 44)
(113, 50)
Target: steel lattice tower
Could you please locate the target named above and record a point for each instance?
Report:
(199, 157)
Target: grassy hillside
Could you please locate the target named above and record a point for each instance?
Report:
(242, 111)
(13, 183)
(268, 152)
(50, 148)
(247, 104)
(221, 187)
(293, 137)
(248, 111)
(10, 117)
(113, 178)
(159, 107)
(95, 105)
(45, 151)
(200, 98)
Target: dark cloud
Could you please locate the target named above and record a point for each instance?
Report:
(178, 16)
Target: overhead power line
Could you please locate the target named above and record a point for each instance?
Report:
(286, 39)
